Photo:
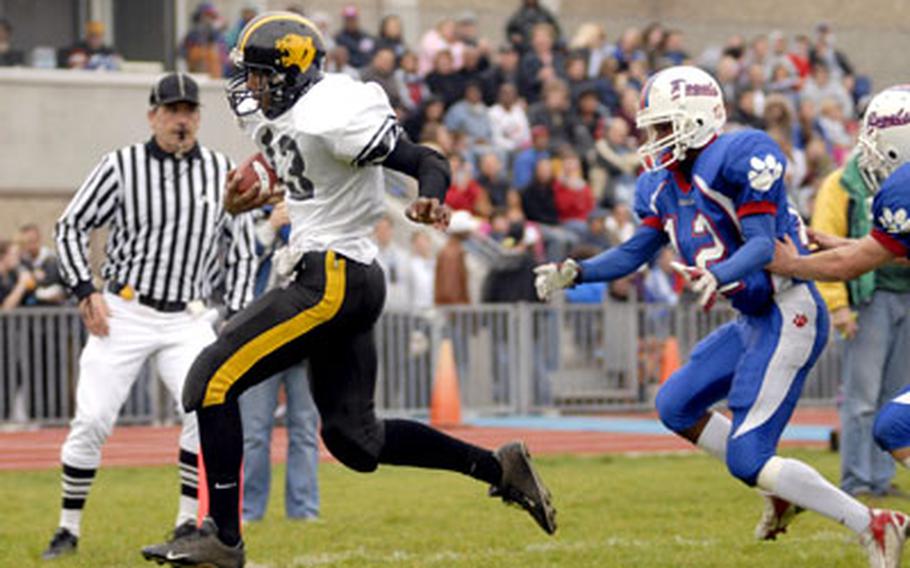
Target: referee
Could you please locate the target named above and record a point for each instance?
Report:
(170, 243)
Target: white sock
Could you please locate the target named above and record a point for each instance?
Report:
(71, 519)
(801, 485)
(713, 437)
(189, 507)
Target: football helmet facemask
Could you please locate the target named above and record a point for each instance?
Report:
(286, 52)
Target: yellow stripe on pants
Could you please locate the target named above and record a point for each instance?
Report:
(274, 338)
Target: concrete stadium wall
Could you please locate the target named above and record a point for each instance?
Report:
(56, 125)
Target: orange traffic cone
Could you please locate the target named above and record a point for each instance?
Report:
(669, 359)
(445, 403)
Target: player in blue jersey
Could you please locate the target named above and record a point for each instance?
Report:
(884, 161)
(719, 199)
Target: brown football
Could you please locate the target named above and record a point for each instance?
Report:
(256, 169)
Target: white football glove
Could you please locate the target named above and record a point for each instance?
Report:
(552, 277)
(702, 281)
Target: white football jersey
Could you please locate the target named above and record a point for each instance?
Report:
(325, 150)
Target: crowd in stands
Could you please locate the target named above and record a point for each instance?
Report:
(539, 125)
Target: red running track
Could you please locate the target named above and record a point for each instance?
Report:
(146, 445)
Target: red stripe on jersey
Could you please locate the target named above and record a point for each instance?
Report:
(757, 208)
(653, 221)
(893, 245)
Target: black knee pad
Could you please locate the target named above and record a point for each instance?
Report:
(356, 446)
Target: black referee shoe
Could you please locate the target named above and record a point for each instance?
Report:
(197, 548)
(522, 486)
(62, 543)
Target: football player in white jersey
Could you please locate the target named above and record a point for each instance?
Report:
(326, 136)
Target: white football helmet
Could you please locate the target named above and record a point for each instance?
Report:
(884, 143)
(681, 108)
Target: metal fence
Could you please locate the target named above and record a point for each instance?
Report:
(510, 359)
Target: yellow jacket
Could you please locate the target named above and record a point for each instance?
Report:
(830, 215)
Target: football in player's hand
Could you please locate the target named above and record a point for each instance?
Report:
(256, 169)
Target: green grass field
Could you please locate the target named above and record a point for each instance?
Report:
(613, 511)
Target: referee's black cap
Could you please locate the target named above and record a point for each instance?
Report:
(174, 88)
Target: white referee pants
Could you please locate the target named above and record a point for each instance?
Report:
(110, 365)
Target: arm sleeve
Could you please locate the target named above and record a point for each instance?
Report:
(370, 132)
(756, 252)
(890, 219)
(426, 165)
(91, 207)
(239, 242)
(830, 216)
(755, 166)
(624, 259)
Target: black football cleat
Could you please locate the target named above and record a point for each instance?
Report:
(522, 486)
(62, 543)
(198, 547)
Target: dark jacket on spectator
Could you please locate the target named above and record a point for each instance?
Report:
(529, 85)
(360, 46)
(496, 189)
(539, 203)
(511, 284)
(562, 125)
(522, 21)
(450, 87)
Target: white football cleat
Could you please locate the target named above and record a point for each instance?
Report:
(774, 519)
(884, 539)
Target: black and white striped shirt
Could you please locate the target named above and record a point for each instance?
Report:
(170, 238)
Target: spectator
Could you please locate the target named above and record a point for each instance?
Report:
(15, 283)
(870, 314)
(466, 194)
(258, 406)
(431, 112)
(523, 21)
(596, 234)
(391, 36)
(323, 23)
(467, 33)
(470, 117)
(394, 262)
(572, 195)
(615, 152)
(360, 45)
(526, 162)
(41, 262)
(445, 82)
(590, 125)
(508, 121)
(438, 39)
(511, 279)
(832, 121)
(437, 136)
(382, 70)
(629, 49)
(628, 108)
(247, 13)
(555, 112)
(540, 65)
(538, 200)
(800, 56)
(473, 67)
(9, 57)
(727, 73)
(91, 52)
(492, 180)
(590, 42)
(504, 70)
(834, 60)
(659, 282)
(747, 111)
(414, 88)
(654, 41)
(674, 49)
(822, 85)
(620, 225)
(451, 280)
(204, 48)
(422, 271)
(338, 61)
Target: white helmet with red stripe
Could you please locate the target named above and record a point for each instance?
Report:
(884, 143)
(681, 108)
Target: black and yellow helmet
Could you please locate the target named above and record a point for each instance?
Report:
(287, 50)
